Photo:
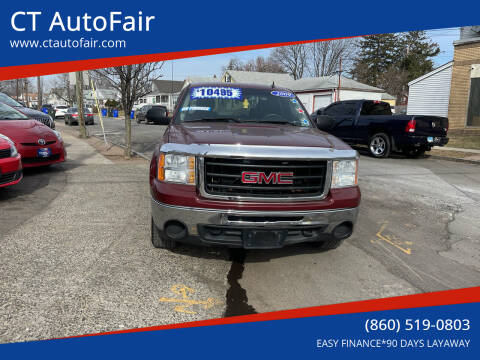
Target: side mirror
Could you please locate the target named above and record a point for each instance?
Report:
(325, 122)
(157, 115)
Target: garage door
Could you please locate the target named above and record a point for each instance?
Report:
(322, 101)
(305, 99)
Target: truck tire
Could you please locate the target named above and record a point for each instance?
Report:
(379, 145)
(159, 241)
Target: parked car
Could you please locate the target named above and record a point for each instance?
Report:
(30, 113)
(71, 116)
(244, 166)
(10, 162)
(37, 144)
(60, 111)
(371, 123)
(158, 114)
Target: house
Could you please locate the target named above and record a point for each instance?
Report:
(430, 94)
(314, 93)
(56, 96)
(103, 95)
(199, 79)
(164, 92)
(464, 103)
(392, 100)
(255, 77)
(318, 92)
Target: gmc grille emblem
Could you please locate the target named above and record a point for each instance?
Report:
(259, 177)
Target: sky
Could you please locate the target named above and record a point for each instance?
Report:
(207, 66)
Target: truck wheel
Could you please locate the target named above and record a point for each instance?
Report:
(379, 145)
(414, 153)
(159, 241)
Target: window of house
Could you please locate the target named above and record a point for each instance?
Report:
(157, 98)
(164, 98)
(473, 110)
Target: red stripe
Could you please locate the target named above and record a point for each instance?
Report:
(448, 297)
(22, 71)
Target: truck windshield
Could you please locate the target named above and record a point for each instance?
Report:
(222, 103)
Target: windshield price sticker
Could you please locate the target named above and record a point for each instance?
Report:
(282, 93)
(213, 92)
(195, 108)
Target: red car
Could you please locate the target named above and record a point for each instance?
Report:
(37, 144)
(10, 162)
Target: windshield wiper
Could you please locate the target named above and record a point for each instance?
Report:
(216, 119)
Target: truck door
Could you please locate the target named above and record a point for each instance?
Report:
(344, 115)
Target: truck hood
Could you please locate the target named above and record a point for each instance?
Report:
(26, 131)
(252, 134)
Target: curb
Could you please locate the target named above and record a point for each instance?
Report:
(136, 153)
(438, 157)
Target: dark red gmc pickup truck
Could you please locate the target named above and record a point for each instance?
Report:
(244, 166)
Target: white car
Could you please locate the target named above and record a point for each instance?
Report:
(60, 110)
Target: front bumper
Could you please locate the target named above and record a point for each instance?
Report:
(227, 227)
(30, 154)
(10, 171)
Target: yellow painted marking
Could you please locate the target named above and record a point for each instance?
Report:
(392, 240)
(185, 302)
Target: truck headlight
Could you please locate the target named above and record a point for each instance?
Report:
(345, 173)
(13, 148)
(175, 168)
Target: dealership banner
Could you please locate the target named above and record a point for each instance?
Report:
(420, 326)
(40, 38)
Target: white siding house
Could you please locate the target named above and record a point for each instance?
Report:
(429, 94)
(316, 93)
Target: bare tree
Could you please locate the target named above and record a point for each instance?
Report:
(324, 56)
(39, 93)
(8, 86)
(394, 81)
(62, 88)
(132, 82)
(292, 58)
(26, 97)
(80, 106)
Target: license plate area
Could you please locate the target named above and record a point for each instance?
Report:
(263, 239)
(44, 152)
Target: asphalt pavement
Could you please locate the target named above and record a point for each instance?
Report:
(76, 254)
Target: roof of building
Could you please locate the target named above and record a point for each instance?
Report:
(329, 82)
(255, 77)
(168, 86)
(434, 71)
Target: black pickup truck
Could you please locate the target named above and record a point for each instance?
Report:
(371, 123)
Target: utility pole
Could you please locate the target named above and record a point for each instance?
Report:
(17, 89)
(81, 118)
(339, 79)
(25, 91)
(39, 93)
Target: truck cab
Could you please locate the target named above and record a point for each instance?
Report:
(243, 165)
